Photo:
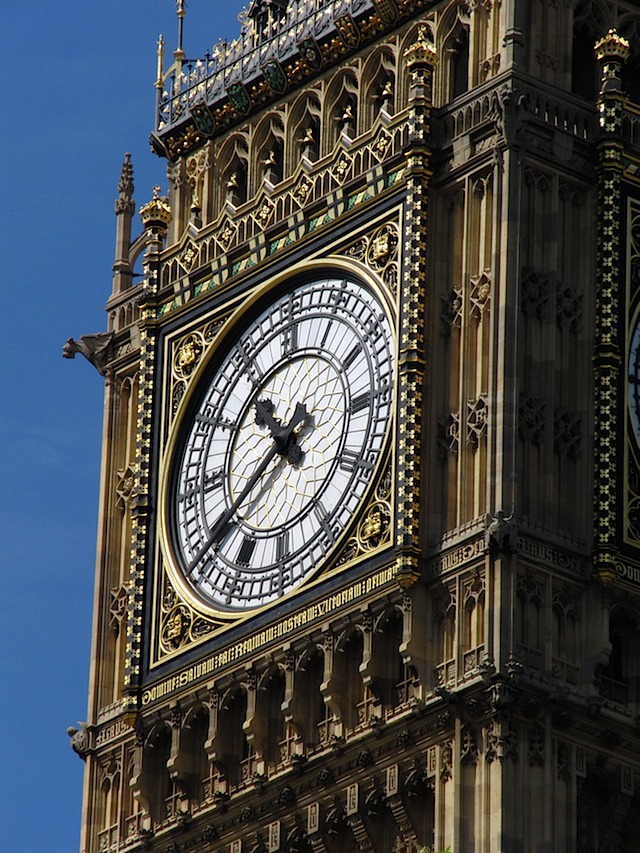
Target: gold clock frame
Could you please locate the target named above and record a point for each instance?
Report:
(345, 551)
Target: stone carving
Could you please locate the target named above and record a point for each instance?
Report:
(501, 533)
(448, 435)
(534, 293)
(95, 348)
(567, 433)
(187, 355)
(451, 310)
(468, 746)
(501, 742)
(532, 419)
(480, 295)
(375, 527)
(118, 607)
(383, 246)
(536, 745)
(569, 308)
(79, 740)
(446, 761)
(175, 627)
(563, 762)
(477, 413)
(124, 203)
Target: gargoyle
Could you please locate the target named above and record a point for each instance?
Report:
(95, 348)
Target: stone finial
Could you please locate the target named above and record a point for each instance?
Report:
(612, 46)
(422, 51)
(156, 214)
(611, 52)
(125, 186)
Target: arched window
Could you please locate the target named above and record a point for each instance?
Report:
(309, 709)
(454, 49)
(347, 678)
(268, 725)
(620, 678)
(341, 114)
(230, 747)
(304, 130)
(590, 22)
(233, 162)
(157, 779)
(268, 153)
(193, 763)
(379, 85)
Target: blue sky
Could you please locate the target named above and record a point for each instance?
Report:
(78, 95)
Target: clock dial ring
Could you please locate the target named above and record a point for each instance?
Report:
(249, 520)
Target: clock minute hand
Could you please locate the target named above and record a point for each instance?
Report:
(281, 440)
(227, 515)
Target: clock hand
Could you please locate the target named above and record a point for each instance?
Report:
(281, 443)
(227, 515)
(280, 434)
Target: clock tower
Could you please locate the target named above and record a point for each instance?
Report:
(368, 572)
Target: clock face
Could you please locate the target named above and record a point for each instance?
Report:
(283, 440)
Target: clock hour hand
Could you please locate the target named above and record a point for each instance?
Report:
(282, 435)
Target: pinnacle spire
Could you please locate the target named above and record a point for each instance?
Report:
(124, 203)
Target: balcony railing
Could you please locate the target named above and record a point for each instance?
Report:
(243, 59)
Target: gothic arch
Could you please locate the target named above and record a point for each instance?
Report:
(190, 766)
(378, 85)
(591, 20)
(229, 747)
(232, 171)
(266, 728)
(303, 129)
(307, 710)
(267, 152)
(341, 102)
(391, 680)
(345, 687)
(453, 76)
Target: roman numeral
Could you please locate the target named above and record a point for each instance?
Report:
(244, 361)
(290, 339)
(213, 480)
(216, 421)
(323, 342)
(246, 551)
(282, 546)
(358, 404)
(323, 517)
(351, 356)
(350, 460)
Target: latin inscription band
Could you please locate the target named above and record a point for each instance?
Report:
(315, 611)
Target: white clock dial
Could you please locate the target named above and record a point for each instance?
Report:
(282, 443)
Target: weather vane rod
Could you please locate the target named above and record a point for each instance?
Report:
(180, 11)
